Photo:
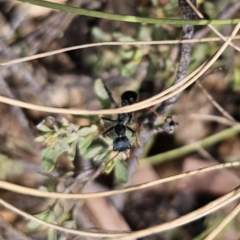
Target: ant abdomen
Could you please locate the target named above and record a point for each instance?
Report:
(121, 144)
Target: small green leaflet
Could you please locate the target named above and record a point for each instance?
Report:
(83, 132)
(52, 152)
(85, 143)
(40, 139)
(95, 150)
(72, 150)
(72, 137)
(44, 215)
(109, 167)
(51, 234)
(43, 128)
(121, 172)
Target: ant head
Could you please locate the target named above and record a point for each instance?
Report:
(129, 97)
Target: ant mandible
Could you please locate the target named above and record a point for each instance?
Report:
(121, 142)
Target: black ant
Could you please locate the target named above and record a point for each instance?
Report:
(121, 142)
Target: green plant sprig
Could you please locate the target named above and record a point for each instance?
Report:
(179, 152)
(128, 18)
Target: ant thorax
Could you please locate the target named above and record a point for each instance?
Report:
(120, 130)
(123, 118)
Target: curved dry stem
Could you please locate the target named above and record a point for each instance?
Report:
(207, 117)
(224, 223)
(37, 193)
(201, 212)
(63, 229)
(168, 93)
(214, 103)
(131, 43)
(211, 26)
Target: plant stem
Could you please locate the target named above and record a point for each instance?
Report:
(127, 18)
(179, 152)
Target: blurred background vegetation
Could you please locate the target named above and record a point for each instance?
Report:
(67, 80)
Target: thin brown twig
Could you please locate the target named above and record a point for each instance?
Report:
(203, 211)
(38, 193)
(210, 26)
(215, 104)
(226, 13)
(50, 53)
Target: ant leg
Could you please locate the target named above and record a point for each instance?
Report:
(108, 130)
(136, 137)
(110, 96)
(135, 121)
(128, 153)
(131, 130)
(108, 119)
(134, 133)
(130, 116)
(102, 122)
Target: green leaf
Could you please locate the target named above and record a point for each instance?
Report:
(93, 151)
(101, 93)
(51, 154)
(122, 37)
(83, 132)
(58, 210)
(121, 172)
(232, 158)
(43, 128)
(236, 78)
(50, 137)
(72, 150)
(127, 55)
(64, 122)
(69, 224)
(85, 143)
(51, 234)
(145, 33)
(101, 35)
(211, 9)
(101, 156)
(109, 166)
(50, 217)
(41, 215)
(40, 139)
(72, 137)
(49, 159)
(65, 216)
(33, 224)
(62, 145)
(130, 68)
(97, 147)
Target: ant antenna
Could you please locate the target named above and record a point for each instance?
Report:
(110, 95)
